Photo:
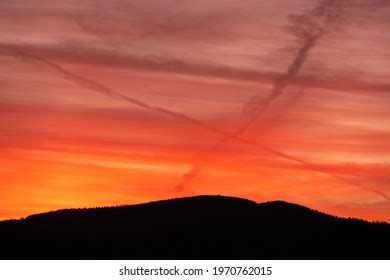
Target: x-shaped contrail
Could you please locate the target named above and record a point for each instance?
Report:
(253, 108)
(309, 28)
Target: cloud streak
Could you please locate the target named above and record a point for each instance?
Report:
(103, 57)
(98, 87)
(309, 28)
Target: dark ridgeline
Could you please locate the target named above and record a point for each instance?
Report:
(203, 227)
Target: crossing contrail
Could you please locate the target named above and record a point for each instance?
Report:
(84, 82)
(308, 28)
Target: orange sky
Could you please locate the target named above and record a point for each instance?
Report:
(73, 135)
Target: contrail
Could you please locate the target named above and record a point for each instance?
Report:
(317, 169)
(309, 28)
(97, 87)
(102, 89)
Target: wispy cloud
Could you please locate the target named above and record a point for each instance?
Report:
(309, 28)
(188, 177)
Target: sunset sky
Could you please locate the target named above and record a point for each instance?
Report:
(111, 102)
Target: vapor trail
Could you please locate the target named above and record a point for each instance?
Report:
(102, 89)
(309, 28)
(317, 169)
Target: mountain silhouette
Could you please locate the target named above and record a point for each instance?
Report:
(201, 227)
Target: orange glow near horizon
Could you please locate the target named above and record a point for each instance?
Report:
(85, 89)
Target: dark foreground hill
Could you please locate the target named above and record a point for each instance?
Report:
(203, 227)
